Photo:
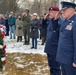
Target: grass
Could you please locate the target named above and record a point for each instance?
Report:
(26, 64)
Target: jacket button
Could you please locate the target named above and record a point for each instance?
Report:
(59, 38)
(54, 31)
(61, 32)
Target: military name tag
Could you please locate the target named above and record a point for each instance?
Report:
(69, 27)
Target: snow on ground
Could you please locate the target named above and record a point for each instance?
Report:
(18, 47)
(13, 46)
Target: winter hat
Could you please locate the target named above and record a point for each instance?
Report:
(35, 14)
(54, 8)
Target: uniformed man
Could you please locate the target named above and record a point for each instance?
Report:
(26, 26)
(52, 40)
(66, 53)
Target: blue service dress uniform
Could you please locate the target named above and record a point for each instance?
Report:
(66, 53)
(51, 46)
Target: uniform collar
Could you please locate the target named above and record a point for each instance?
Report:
(72, 18)
(68, 21)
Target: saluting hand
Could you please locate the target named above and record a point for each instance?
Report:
(46, 16)
(58, 14)
(74, 65)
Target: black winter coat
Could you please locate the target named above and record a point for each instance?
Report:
(34, 24)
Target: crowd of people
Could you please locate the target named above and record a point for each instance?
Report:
(57, 29)
(29, 26)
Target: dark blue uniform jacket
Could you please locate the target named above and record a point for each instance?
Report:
(66, 53)
(52, 37)
(44, 24)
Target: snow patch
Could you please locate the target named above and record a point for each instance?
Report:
(19, 65)
(13, 46)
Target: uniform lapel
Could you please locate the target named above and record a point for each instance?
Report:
(50, 25)
(66, 22)
(64, 25)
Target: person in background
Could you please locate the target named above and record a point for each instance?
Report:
(7, 26)
(12, 26)
(34, 24)
(26, 26)
(2, 21)
(40, 25)
(19, 28)
(44, 30)
(52, 40)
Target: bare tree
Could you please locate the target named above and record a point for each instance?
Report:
(47, 3)
(7, 6)
(12, 5)
(3, 6)
(23, 4)
(36, 7)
